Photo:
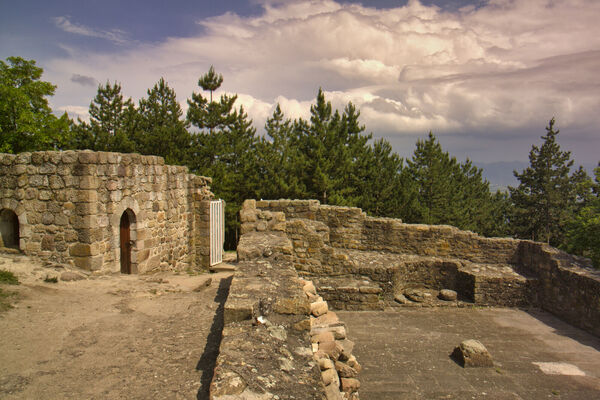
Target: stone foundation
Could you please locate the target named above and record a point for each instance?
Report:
(363, 263)
(280, 340)
(69, 206)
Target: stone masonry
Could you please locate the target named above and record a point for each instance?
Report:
(69, 205)
(364, 263)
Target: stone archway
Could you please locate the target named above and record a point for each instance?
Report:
(127, 241)
(9, 229)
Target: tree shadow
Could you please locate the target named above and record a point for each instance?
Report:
(208, 359)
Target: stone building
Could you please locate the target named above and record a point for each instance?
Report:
(106, 212)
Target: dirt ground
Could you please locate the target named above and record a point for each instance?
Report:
(109, 337)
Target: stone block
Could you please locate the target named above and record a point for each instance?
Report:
(84, 249)
(326, 363)
(88, 157)
(332, 392)
(344, 370)
(332, 349)
(292, 305)
(447, 295)
(89, 263)
(330, 377)
(88, 182)
(319, 308)
(472, 353)
(350, 385)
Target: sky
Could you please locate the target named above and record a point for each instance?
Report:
(485, 76)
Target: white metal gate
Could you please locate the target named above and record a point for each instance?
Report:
(217, 232)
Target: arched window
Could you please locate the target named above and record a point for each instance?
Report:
(9, 229)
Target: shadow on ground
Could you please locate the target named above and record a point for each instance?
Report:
(207, 361)
(562, 328)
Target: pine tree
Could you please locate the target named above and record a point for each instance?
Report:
(162, 131)
(224, 148)
(437, 189)
(113, 122)
(583, 234)
(278, 159)
(430, 169)
(329, 146)
(546, 196)
(378, 177)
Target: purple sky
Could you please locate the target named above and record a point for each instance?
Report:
(484, 76)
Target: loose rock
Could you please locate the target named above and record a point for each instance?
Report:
(448, 295)
(472, 353)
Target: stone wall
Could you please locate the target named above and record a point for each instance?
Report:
(280, 340)
(351, 228)
(566, 285)
(350, 255)
(69, 205)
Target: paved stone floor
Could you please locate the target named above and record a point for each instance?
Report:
(405, 355)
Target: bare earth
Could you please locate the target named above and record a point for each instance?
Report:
(109, 337)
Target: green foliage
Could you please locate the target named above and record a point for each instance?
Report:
(583, 233)
(161, 130)
(440, 190)
(26, 120)
(547, 196)
(329, 146)
(8, 278)
(210, 81)
(113, 122)
(224, 148)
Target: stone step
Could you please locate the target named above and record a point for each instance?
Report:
(223, 267)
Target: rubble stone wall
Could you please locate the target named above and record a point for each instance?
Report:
(565, 286)
(69, 205)
(348, 250)
(280, 340)
(351, 228)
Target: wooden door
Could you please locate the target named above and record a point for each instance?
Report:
(125, 244)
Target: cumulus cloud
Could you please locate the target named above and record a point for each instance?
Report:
(496, 71)
(115, 35)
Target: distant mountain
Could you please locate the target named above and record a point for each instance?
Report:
(500, 174)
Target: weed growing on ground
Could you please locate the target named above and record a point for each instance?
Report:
(8, 278)
(52, 279)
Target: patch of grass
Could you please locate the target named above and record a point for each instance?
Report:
(50, 279)
(555, 392)
(5, 300)
(8, 278)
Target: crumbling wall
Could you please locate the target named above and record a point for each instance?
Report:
(280, 340)
(347, 250)
(566, 285)
(351, 228)
(69, 206)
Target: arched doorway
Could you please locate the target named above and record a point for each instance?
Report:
(127, 221)
(9, 229)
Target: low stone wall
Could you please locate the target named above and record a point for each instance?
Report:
(280, 340)
(340, 247)
(351, 228)
(566, 285)
(69, 206)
